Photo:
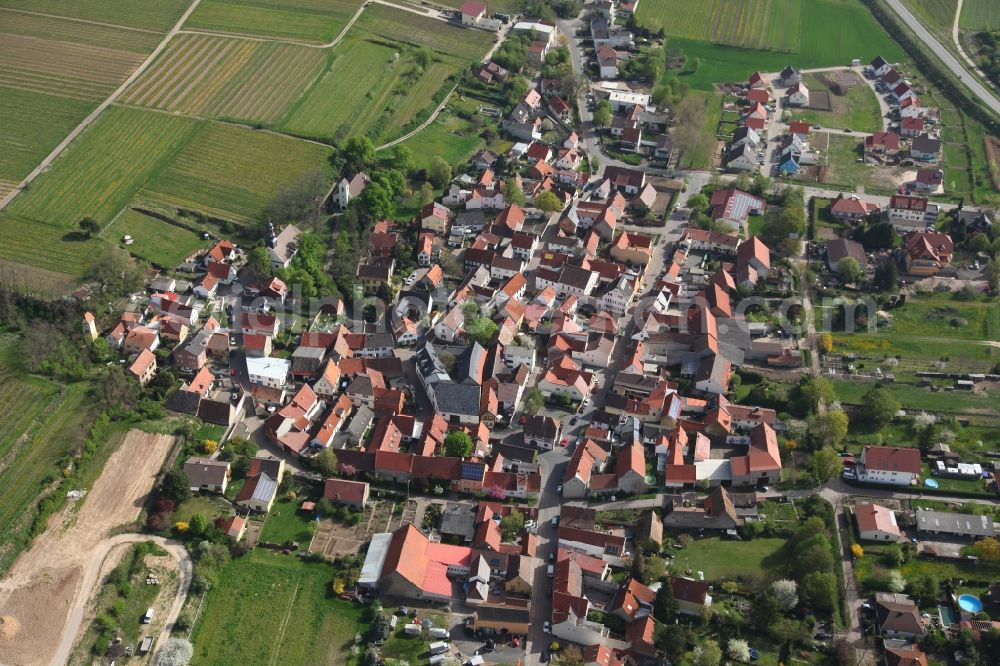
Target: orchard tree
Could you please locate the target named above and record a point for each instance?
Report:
(828, 429)
(706, 653)
(738, 650)
(439, 172)
(89, 226)
(602, 114)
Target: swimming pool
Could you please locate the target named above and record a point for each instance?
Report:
(970, 603)
(931, 483)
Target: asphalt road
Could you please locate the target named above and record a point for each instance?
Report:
(945, 56)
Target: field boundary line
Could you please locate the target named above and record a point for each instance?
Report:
(89, 120)
(283, 40)
(284, 623)
(80, 20)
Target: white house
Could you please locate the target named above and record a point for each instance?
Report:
(876, 523)
(798, 95)
(472, 12)
(266, 371)
(891, 465)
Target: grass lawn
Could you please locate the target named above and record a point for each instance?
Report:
(718, 558)
(283, 598)
(209, 506)
(449, 137)
(285, 523)
(158, 242)
(980, 15)
(846, 171)
(916, 398)
(943, 315)
(858, 109)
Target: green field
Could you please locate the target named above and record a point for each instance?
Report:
(916, 398)
(96, 177)
(449, 136)
(368, 87)
(754, 24)
(937, 14)
(156, 241)
(222, 77)
(158, 16)
(231, 172)
(405, 27)
(307, 20)
(283, 598)
(503, 6)
(40, 423)
(719, 558)
(833, 32)
(858, 109)
(700, 154)
(980, 15)
(35, 124)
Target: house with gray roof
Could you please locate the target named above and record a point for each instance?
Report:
(207, 475)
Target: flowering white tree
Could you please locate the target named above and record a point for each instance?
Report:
(787, 593)
(738, 650)
(176, 652)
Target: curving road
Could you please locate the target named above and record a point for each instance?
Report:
(944, 55)
(93, 567)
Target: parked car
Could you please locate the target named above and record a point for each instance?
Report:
(547, 627)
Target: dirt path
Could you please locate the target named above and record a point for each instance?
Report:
(89, 120)
(98, 557)
(45, 593)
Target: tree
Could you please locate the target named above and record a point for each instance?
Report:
(665, 605)
(764, 610)
(819, 590)
(673, 640)
(738, 650)
(175, 652)
(402, 157)
(512, 525)
(358, 153)
(571, 656)
(638, 567)
(825, 343)
(115, 271)
(849, 270)
(439, 172)
(924, 588)
(987, 549)
(707, 653)
(380, 629)
(209, 446)
(786, 593)
(785, 630)
(370, 657)
(547, 201)
(176, 486)
(512, 192)
(458, 444)
(602, 113)
(300, 202)
(378, 201)
(89, 226)
(534, 401)
(878, 406)
(880, 236)
(326, 462)
(828, 429)
(481, 330)
(805, 397)
(198, 524)
(259, 261)
(826, 463)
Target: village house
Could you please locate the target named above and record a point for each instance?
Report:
(876, 523)
(928, 252)
(207, 474)
(889, 465)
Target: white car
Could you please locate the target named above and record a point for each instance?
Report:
(547, 627)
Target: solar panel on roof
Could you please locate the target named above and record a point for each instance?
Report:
(471, 472)
(265, 488)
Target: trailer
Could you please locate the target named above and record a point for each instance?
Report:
(439, 647)
(413, 629)
(146, 645)
(438, 632)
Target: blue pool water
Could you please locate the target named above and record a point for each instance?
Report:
(931, 483)
(970, 604)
